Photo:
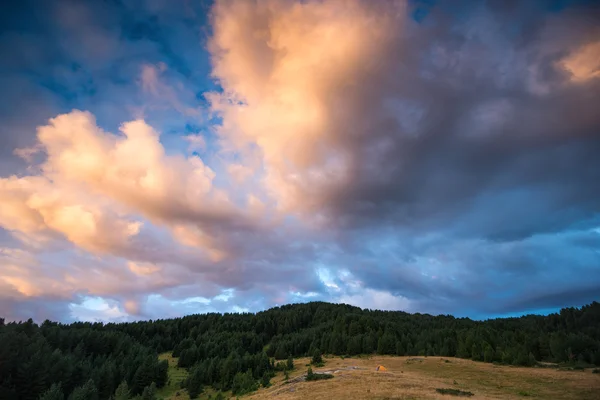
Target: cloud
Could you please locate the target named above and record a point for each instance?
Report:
(583, 63)
(169, 96)
(86, 166)
(364, 115)
(239, 172)
(428, 159)
(376, 300)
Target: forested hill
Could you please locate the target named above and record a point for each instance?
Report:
(90, 360)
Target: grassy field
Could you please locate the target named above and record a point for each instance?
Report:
(419, 377)
(412, 378)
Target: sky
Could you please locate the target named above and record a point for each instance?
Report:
(161, 158)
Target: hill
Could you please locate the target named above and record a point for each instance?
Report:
(234, 352)
(408, 378)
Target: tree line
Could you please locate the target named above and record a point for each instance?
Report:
(240, 352)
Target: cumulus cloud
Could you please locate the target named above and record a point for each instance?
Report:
(88, 171)
(385, 154)
(362, 113)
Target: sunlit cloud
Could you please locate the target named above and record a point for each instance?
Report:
(390, 155)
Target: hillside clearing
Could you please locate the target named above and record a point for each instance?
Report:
(418, 378)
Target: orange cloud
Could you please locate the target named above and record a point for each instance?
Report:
(95, 185)
(584, 63)
(289, 71)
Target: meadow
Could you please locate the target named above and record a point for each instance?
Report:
(408, 378)
(419, 377)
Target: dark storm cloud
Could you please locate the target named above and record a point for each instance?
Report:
(491, 140)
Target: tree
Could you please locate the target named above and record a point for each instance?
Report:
(162, 373)
(122, 392)
(149, 392)
(232, 350)
(290, 364)
(317, 358)
(281, 352)
(309, 374)
(266, 379)
(243, 383)
(86, 392)
(54, 393)
(488, 355)
(194, 382)
(386, 344)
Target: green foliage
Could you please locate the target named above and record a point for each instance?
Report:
(290, 364)
(266, 380)
(218, 349)
(88, 391)
(54, 393)
(122, 392)
(317, 358)
(243, 383)
(310, 376)
(149, 392)
(455, 392)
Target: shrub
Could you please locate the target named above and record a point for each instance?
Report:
(266, 379)
(455, 392)
(317, 358)
(310, 376)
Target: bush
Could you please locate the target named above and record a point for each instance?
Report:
(266, 379)
(317, 358)
(310, 376)
(243, 383)
(596, 371)
(455, 392)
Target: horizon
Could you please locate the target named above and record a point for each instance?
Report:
(159, 160)
(542, 313)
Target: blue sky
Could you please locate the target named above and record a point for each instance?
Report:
(159, 159)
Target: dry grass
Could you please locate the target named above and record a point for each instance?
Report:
(418, 378)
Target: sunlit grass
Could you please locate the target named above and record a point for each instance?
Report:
(419, 377)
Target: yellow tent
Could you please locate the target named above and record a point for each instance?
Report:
(381, 368)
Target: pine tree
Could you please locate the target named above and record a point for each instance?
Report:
(317, 358)
(194, 383)
(122, 392)
(86, 392)
(290, 364)
(266, 379)
(149, 392)
(488, 355)
(54, 393)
